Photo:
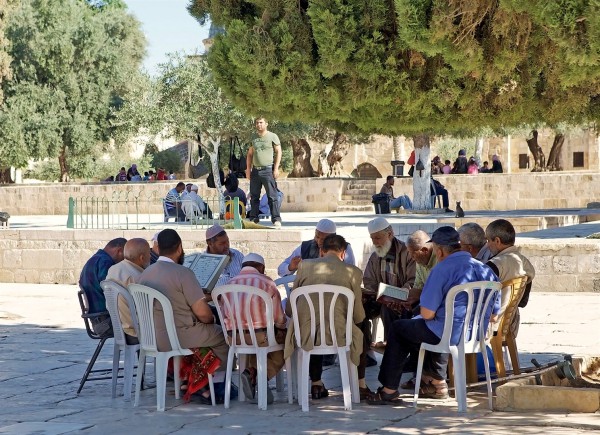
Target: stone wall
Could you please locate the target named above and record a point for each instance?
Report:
(47, 256)
(477, 192)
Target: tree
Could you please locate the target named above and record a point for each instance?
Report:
(185, 102)
(71, 63)
(417, 68)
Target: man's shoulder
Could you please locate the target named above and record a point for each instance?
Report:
(272, 137)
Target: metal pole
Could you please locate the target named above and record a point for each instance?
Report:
(70, 218)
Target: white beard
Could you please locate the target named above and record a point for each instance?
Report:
(383, 250)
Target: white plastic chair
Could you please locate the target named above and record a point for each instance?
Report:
(286, 282)
(481, 297)
(348, 370)
(230, 297)
(144, 298)
(112, 290)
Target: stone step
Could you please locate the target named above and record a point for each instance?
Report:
(341, 208)
(361, 186)
(358, 191)
(355, 202)
(346, 197)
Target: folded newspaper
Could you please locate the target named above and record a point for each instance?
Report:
(390, 293)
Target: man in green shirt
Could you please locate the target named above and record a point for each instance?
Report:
(262, 168)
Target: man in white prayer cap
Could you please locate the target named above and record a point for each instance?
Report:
(390, 263)
(311, 249)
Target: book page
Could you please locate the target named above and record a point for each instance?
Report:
(390, 291)
(207, 268)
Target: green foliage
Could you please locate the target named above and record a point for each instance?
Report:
(168, 160)
(409, 66)
(71, 64)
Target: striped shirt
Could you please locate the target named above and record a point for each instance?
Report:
(172, 198)
(250, 276)
(233, 268)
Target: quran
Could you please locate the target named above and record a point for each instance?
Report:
(207, 268)
(386, 291)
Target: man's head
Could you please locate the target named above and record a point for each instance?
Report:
(261, 124)
(114, 248)
(188, 187)
(419, 247)
(446, 240)
(500, 235)
(154, 242)
(169, 245)
(485, 164)
(122, 170)
(472, 238)
(217, 240)
(194, 188)
(324, 228)
(180, 187)
(334, 244)
(254, 260)
(389, 180)
(382, 234)
(138, 251)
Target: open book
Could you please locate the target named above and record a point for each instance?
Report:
(207, 268)
(390, 293)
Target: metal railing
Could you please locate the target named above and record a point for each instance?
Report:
(138, 210)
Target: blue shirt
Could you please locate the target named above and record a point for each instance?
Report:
(458, 268)
(233, 268)
(171, 198)
(95, 271)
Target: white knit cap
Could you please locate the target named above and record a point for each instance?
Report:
(213, 231)
(377, 224)
(326, 226)
(254, 258)
(155, 237)
(194, 187)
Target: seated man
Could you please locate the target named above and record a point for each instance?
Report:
(189, 200)
(217, 242)
(438, 188)
(253, 274)
(330, 269)
(311, 249)
(137, 258)
(406, 335)
(94, 271)
(173, 202)
(194, 320)
(472, 240)
(508, 263)
(402, 201)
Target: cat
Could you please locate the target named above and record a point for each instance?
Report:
(460, 213)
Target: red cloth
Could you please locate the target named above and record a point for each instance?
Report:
(195, 369)
(411, 159)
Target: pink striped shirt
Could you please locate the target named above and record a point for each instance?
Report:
(250, 276)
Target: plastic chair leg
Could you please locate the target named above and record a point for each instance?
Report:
(261, 379)
(418, 377)
(511, 343)
(241, 368)
(90, 365)
(115, 368)
(354, 389)
(140, 375)
(460, 379)
(176, 377)
(161, 381)
(279, 381)
(228, 374)
(496, 343)
(129, 364)
(211, 387)
(345, 374)
(488, 379)
(303, 359)
(290, 379)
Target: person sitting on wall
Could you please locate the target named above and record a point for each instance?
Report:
(401, 201)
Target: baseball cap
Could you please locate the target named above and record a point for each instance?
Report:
(445, 236)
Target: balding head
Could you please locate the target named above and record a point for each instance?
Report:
(138, 251)
(418, 239)
(419, 247)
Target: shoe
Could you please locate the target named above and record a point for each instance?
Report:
(329, 360)
(382, 398)
(371, 362)
(270, 398)
(277, 224)
(365, 393)
(318, 392)
(431, 391)
(256, 220)
(409, 385)
(448, 210)
(248, 384)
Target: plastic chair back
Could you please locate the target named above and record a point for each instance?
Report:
(320, 290)
(516, 287)
(286, 282)
(112, 292)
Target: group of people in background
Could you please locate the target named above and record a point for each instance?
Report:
(463, 166)
(132, 174)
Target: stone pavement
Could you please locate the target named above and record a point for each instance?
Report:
(44, 350)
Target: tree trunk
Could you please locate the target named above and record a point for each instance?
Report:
(555, 158)
(214, 164)
(396, 145)
(302, 166)
(421, 179)
(339, 150)
(478, 150)
(538, 153)
(62, 162)
(5, 177)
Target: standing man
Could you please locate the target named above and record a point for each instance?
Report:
(95, 271)
(262, 169)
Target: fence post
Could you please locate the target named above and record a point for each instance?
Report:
(70, 218)
(237, 220)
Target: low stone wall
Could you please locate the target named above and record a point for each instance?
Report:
(476, 192)
(47, 256)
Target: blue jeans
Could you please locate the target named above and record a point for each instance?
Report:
(405, 337)
(258, 179)
(401, 201)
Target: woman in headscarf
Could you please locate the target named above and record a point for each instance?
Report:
(496, 165)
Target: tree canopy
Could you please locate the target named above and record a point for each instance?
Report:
(406, 66)
(71, 63)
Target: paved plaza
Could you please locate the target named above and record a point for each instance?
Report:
(44, 351)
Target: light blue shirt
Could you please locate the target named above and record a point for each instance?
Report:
(283, 269)
(233, 268)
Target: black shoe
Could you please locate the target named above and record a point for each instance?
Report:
(449, 211)
(329, 360)
(318, 392)
(371, 362)
(256, 220)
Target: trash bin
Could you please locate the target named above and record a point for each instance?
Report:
(381, 202)
(397, 168)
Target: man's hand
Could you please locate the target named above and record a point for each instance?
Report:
(294, 262)
(275, 172)
(396, 306)
(248, 171)
(408, 303)
(208, 297)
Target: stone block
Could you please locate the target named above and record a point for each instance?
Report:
(11, 259)
(564, 264)
(28, 275)
(42, 259)
(7, 275)
(538, 397)
(588, 263)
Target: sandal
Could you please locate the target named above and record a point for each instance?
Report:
(365, 393)
(382, 398)
(434, 391)
(409, 385)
